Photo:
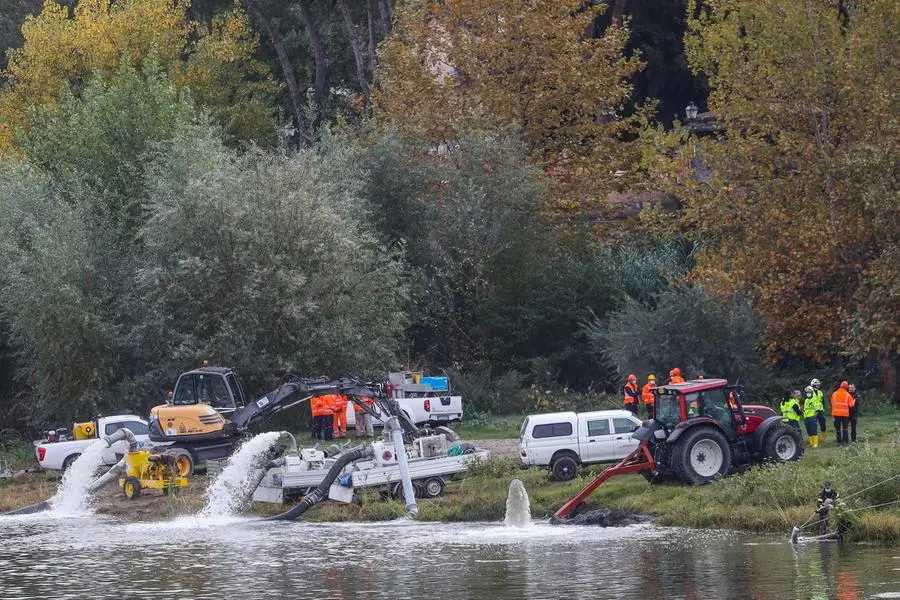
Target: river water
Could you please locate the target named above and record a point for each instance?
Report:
(46, 556)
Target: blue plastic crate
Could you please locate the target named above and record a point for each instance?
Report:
(438, 384)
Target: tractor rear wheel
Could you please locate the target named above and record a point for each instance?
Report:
(701, 455)
(782, 444)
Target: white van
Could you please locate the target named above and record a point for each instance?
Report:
(564, 440)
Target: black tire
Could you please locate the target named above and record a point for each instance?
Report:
(782, 443)
(182, 461)
(131, 487)
(701, 456)
(69, 460)
(564, 468)
(433, 487)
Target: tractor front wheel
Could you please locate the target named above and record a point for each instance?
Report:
(132, 487)
(701, 455)
(782, 444)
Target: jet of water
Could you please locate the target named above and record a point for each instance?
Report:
(230, 490)
(73, 496)
(518, 509)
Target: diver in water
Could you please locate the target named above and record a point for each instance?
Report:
(824, 504)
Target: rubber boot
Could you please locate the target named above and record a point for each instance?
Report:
(822, 438)
(814, 441)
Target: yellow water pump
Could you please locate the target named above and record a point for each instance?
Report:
(146, 470)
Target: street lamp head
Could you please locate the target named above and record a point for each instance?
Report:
(691, 111)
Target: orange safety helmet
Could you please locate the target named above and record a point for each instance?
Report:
(845, 385)
(632, 378)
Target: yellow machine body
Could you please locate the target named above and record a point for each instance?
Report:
(146, 470)
(84, 431)
(188, 420)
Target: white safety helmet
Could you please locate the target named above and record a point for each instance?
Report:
(809, 389)
(815, 383)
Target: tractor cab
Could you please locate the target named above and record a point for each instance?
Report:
(681, 404)
(217, 387)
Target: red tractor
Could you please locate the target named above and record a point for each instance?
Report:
(701, 431)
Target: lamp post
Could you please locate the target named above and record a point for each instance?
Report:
(690, 111)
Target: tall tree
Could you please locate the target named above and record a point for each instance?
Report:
(457, 64)
(61, 51)
(797, 203)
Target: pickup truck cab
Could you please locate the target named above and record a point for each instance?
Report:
(563, 441)
(424, 400)
(60, 455)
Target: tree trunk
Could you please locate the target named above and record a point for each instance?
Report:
(320, 89)
(617, 12)
(384, 7)
(887, 362)
(371, 23)
(304, 128)
(357, 51)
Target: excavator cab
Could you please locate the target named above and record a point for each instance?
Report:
(217, 387)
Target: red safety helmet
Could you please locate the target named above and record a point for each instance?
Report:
(632, 378)
(845, 385)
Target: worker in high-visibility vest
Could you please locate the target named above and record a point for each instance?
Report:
(809, 417)
(819, 398)
(317, 406)
(791, 411)
(841, 402)
(329, 401)
(648, 396)
(675, 376)
(631, 394)
(339, 410)
(363, 419)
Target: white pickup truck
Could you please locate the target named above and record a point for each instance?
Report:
(422, 399)
(60, 455)
(564, 440)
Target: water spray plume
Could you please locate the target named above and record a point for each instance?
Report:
(518, 508)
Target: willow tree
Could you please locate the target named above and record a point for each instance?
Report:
(456, 65)
(62, 52)
(796, 203)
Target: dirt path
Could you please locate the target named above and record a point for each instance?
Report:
(499, 448)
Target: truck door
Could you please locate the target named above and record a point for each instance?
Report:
(597, 440)
(623, 427)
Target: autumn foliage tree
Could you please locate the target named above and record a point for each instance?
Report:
(215, 60)
(456, 65)
(795, 204)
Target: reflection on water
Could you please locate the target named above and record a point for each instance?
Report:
(44, 557)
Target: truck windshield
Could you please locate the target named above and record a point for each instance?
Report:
(668, 409)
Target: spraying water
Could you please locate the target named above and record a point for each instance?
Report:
(73, 497)
(231, 488)
(518, 509)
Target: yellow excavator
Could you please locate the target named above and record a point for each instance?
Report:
(207, 415)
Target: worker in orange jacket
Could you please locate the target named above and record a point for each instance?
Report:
(675, 376)
(841, 403)
(339, 410)
(632, 395)
(648, 396)
(317, 406)
(363, 419)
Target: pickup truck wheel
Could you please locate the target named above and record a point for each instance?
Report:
(564, 468)
(68, 462)
(132, 487)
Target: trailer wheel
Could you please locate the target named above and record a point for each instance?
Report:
(564, 468)
(434, 487)
(132, 487)
(702, 455)
(782, 444)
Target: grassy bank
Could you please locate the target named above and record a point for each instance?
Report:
(764, 499)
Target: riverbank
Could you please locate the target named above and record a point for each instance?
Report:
(766, 499)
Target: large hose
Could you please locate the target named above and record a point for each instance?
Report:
(321, 492)
(121, 434)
